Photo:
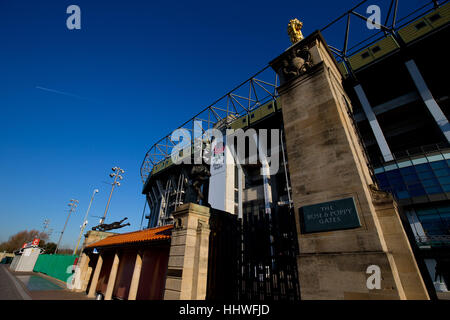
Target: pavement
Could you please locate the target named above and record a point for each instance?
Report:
(34, 286)
(37, 286)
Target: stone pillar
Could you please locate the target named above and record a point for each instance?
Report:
(83, 272)
(134, 286)
(112, 277)
(94, 281)
(328, 167)
(188, 258)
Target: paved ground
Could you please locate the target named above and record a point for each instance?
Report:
(36, 286)
(33, 286)
(10, 288)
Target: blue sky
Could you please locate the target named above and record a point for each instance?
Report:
(133, 73)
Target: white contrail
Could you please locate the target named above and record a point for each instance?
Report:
(60, 92)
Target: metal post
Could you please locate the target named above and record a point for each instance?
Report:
(83, 226)
(72, 204)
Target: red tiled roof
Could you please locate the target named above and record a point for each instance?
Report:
(160, 233)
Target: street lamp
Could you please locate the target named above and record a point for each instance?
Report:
(73, 204)
(85, 222)
(116, 175)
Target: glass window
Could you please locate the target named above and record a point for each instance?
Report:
(378, 170)
(433, 230)
(425, 175)
(423, 167)
(411, 178)
(444, 180)
(446, 219)
(403, 195)
(419, 161)
(395, 183)
(436, 157)
(442, 172)
(382, 179)
(408, 170)
(435, 220)
(391, 167)
(427, 211)
(416, 190)
(393, 174)
(438, 165)
(404, 164)
(430, 182)
(444, 209)
(446, 187)
(433, 190)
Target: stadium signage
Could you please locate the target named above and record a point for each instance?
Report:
(329, 216)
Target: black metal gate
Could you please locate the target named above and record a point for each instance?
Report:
(254, 258)
(223, 257)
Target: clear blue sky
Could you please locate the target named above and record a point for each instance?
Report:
(134, 72)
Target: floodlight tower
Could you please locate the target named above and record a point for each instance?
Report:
(45, 225)
(85, 222)
(73, 204)
(116, 175)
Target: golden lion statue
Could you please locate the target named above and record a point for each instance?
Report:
(294, 30)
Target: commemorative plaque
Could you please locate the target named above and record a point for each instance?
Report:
(329, 216)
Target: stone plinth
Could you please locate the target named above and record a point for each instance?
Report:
(326, 163)
(188, 258)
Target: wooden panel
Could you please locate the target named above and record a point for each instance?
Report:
(360, 59)
(262, 112)
(415, 30)
(383, 47)
(422, 26)
(240, 123)
(439, 17)
(374, 52)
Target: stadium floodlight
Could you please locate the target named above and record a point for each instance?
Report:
(116, 176)
(85, 222)
(73, 205)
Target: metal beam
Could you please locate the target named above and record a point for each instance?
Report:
(428, 99)
(377, 132)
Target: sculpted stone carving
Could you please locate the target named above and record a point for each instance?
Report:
(111, 226)
(294, 30)
(379, 196)
(297, 62)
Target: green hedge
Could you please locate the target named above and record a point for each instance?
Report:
(55, 265)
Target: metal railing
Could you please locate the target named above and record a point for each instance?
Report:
(242, 100)
(390, 26)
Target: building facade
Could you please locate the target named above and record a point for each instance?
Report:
(384, 128)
